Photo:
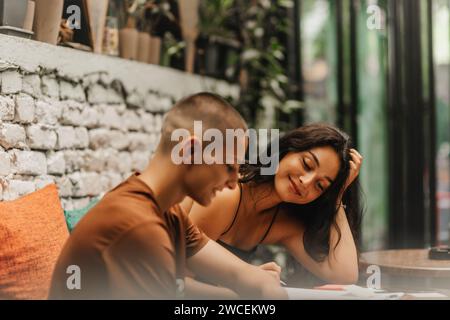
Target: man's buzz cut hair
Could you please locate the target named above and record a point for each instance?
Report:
(209, 108)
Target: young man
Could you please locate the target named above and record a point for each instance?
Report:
(136, 242)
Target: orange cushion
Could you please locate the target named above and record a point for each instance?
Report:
(32, 233)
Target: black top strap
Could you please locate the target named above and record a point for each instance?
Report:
(236, 213)
(245, 255)
(270, 226)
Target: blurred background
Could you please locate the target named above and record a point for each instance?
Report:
(378, 69)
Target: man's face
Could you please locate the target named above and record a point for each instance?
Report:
(203, 181)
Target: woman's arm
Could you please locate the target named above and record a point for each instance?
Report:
(341, 264)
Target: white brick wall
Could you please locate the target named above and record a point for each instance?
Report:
(28, 162)
(5, 163)
(56, 163)
(32, 85)
(12, 136)
(6, 108)
(14, 189)
(25, 107)
(82, 121)
(48, 111)
(40, 137)
(71, 91)
(50, 86)
(11, 82)
(67, 137)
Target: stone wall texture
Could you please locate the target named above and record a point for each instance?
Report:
(80, 120)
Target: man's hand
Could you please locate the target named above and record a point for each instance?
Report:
(217, 265)
(273, 269)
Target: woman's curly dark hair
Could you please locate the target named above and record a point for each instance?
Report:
(319, 215)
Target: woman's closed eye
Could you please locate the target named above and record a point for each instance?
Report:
(306, 165)
(320, 187)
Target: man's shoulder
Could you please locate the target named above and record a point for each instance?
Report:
(130, 195)
(126, 208)
(119, 211)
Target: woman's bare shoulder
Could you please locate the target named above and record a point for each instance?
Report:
(216, 217)
(287, 226)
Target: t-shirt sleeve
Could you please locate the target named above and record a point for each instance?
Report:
(141, 263)
(195, 238)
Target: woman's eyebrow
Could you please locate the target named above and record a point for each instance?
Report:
(318, 165)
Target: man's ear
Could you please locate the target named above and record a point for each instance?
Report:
(192, 151)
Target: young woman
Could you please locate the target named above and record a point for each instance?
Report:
(309, 206)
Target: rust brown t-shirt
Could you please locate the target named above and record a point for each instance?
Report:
(126, 248)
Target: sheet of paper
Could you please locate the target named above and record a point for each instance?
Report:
(428, 295)
(312, 294)
(352, 293)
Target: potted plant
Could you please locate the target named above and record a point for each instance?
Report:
(97, 10)
(12, 17)
(172, 52)
(218, 45)
(160, 20)
(111, 31)
(29, 18)
(189, 28)
(128, 34)
(143, 26)
(47, 20)
(265, 95)
(154, 56)
(144, 43)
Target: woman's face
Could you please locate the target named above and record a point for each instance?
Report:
(303, 176)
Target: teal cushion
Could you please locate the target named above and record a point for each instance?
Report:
(73, 216)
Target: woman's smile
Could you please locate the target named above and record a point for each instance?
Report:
(294, 187)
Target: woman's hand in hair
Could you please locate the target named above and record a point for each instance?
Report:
(355, 166)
